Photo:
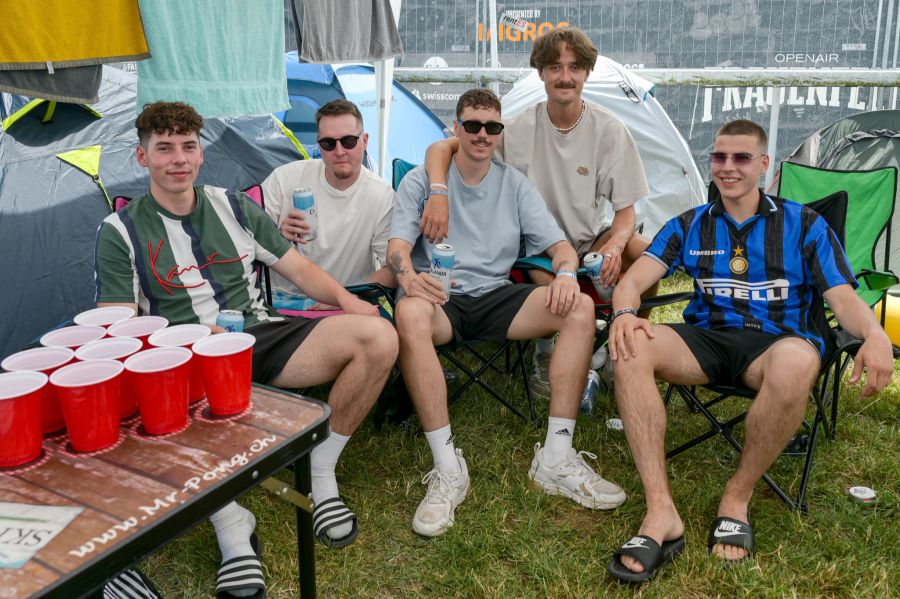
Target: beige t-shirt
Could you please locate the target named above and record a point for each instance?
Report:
(353, 224)
(578, 172)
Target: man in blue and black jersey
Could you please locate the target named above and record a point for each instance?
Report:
(187, 252)
(759, 265)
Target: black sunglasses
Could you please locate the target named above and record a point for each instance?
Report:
(740, 159)
(473, 127)
(329, 143)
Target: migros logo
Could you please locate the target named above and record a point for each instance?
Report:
(506, 33)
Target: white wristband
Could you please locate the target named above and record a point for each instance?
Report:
(566, 273)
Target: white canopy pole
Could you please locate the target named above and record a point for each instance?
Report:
(384, 76)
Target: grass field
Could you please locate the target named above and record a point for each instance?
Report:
(510, 541)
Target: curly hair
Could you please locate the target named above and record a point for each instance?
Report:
(546, 49)
(745, 127)
(167, 117)
(477, 98)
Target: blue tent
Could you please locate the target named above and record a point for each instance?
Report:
(413, 126)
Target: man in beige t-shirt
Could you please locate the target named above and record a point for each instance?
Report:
(579, 156)
(353, 204)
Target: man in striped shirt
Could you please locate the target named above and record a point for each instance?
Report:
(760, 266)
(186, 252)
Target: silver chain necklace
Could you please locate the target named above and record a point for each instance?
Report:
(566, 130)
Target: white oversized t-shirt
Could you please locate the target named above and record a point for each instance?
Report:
(353, 224)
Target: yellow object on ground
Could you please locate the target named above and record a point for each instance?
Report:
(892, 322)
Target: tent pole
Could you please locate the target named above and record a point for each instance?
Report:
(773, 135)
(495, 59)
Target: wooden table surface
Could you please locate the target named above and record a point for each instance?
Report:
(143, 482)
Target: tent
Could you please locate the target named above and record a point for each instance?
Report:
(54, 178)
(863, 141)
(675, 183)
(412, 129)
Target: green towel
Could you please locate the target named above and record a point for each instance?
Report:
(224, 57)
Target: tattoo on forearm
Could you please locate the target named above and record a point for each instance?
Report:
(395, 265)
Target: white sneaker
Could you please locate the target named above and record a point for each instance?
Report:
(539, 381)
(435, 513)
(575, 479)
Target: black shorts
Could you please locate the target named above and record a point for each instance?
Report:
(275, 343)
(724, 354)
(487, 317)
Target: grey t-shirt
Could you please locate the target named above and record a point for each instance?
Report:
(486, 223)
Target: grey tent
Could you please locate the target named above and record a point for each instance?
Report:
(51, 206)
(863, 141)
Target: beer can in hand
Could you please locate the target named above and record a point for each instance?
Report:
(305, 202)
(231, 320)
(443, 258)
(593, 263)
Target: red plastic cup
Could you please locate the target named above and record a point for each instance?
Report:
(160, 379)
(46, 360)
(89, 395)
(21, 396)
(185, 335)
(115, 348)
(74, 336)
(109, 348)
(139, 326)
(105, 316)
(226, 361)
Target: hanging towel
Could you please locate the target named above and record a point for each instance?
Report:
(224, 57)
(346, 30)
(69, 33)
(78, 85)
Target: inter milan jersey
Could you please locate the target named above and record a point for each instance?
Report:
(763, 274)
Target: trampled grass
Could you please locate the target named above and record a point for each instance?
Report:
(510, 541)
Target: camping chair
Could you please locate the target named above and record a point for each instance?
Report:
(486, 362)
(870, 208)
(840, 346)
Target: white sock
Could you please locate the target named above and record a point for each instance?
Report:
(543, 346)
(323, 459)
(443, 451)
(559, 440)
(233, 525)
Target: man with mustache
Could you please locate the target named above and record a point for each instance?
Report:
(579, 156)
(494, 207)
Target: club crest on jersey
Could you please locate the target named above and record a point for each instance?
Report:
(738, 263)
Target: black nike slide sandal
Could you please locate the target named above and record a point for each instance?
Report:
(648, 553)
(729, 531)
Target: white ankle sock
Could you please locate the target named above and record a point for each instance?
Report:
(543, 346)
(559, 440)
(233, 525)
(443, 451)
(323, 459)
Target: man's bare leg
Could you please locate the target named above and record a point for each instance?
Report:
(357, 353)
(784, 375)
(643, 415)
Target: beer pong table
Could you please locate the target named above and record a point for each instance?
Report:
(144, 493)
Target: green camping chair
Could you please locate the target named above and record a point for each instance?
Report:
(487, 362)
(870, 207)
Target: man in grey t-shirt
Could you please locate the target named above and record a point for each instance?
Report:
(492, 206)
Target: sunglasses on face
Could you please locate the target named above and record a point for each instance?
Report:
(328, 144)
(473, 127)
(739, 159)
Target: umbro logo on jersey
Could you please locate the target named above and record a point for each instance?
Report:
(766, 291)
(706, 252)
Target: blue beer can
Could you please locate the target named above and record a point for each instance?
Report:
(593, 263)
(443, 258)
(231, 320)
(305, 201)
